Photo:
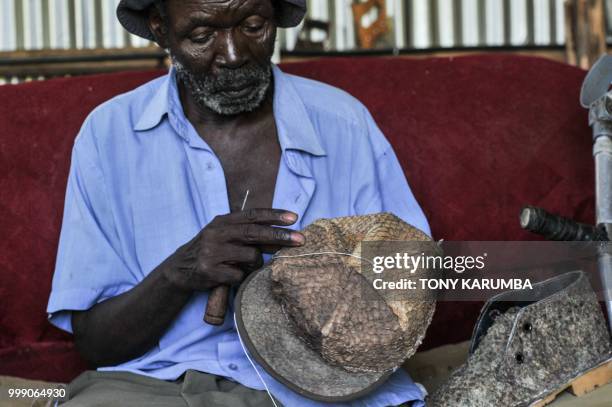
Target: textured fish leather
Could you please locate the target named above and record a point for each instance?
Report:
(530, 351)
(334, 308)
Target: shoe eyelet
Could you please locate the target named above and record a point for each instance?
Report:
(527, 327)
(520, 358)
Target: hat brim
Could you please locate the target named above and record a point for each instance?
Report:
(268, 336)
(134, 17)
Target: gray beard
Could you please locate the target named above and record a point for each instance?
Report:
(211, 91)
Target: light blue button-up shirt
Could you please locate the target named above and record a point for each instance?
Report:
(142, 183)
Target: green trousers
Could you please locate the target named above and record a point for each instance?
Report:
(194, 388)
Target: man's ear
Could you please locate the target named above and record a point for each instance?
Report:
(159, 27)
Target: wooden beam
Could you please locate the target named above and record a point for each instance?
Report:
(78, 62)
(72, 69)
(557, 54)
(570, 33)
(585, 28)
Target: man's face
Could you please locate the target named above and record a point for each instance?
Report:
(221, 50)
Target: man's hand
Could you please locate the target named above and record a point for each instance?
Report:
(229, 245)
(128, 325)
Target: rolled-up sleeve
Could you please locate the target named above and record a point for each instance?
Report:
(89, 267)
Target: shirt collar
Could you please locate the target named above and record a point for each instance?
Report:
(295, 129)
(157, 106)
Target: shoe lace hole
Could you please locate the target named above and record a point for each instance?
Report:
(520, 358)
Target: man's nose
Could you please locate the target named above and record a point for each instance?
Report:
(229, 53)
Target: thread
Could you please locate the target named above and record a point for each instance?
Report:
(253, 364)
(323, 253)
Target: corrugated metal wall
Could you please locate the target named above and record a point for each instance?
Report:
(63, 24)
(421, 24)
(38, 24)
(426, 24)
(485, 22)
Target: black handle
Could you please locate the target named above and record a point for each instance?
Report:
(555, 227)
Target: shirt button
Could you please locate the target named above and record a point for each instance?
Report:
(233, 366)
(209, 166)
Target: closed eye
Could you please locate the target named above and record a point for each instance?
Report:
(253, 24)
(253, 28)
(201, 34)
(201, 38)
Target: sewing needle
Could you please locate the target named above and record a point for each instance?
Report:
(246, 196)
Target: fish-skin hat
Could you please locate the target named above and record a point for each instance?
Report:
(306, 320)
(133, 15)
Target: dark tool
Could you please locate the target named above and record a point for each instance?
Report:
(555, 227)
(216, 307)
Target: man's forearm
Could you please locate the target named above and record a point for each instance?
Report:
(127, 326)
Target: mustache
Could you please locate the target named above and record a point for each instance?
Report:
(226, 78)
(227, 91)
(236, 78)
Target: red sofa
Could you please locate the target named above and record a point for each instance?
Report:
(478, 137)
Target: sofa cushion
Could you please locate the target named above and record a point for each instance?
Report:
(56, 361)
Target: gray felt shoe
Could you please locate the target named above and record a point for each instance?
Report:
(529, 345)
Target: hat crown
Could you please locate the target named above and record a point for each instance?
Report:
(133, 15)
(333, 306)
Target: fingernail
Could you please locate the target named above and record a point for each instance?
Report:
(297, 238)
(289, 217)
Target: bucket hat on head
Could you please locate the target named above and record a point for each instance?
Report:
(132, 15)
(316, 324)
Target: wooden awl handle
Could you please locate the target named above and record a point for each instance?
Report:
(216, 307)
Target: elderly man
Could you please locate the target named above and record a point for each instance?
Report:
(153, 217)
